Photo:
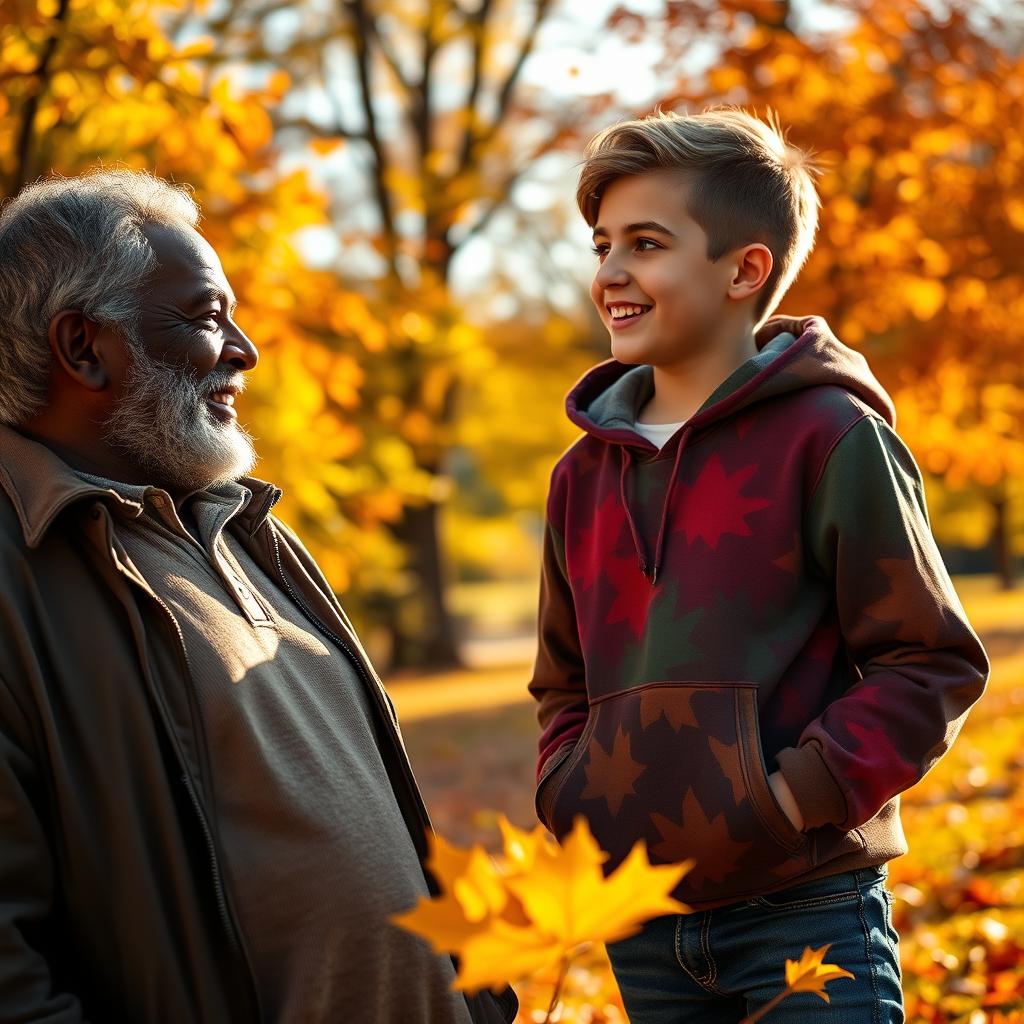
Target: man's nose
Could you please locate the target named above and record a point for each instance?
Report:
(238, 350)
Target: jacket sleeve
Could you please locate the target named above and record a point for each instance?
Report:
(919, 665)
(28, 994)
(558, 683)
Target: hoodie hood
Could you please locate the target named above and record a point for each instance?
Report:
(793, 354)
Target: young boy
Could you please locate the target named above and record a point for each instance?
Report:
(748, 643)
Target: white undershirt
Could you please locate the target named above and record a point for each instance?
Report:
(657, 433)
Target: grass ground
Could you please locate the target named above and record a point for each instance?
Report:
(959, 893)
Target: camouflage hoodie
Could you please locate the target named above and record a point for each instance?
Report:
(763, 593)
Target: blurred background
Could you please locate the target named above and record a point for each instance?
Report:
(390, 183)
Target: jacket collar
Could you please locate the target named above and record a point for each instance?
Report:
(41, 485)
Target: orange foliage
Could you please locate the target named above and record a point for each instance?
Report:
(115, 88)
(915, 112)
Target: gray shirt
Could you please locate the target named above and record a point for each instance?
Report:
(315, 850)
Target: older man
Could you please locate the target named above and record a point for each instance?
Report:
(206, 812)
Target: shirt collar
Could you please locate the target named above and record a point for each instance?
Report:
(41, 485)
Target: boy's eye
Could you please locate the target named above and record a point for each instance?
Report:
(647, 243)
(600, 249)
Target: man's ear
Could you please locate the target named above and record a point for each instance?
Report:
(753, 266)
(73, 342)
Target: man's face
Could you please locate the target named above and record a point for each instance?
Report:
(655, 288)
(174, 413)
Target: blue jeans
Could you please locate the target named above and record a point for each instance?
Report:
(716, 966)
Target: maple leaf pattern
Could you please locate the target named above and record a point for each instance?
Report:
(743, 424)
(592, 543)
(586, 457)
(634, 593)
(791, 561)
(719, 854)
(728, 758)
(675, 703)
(610, 776)
(880, 771)
(713, 506)
(915, 619)
(679, 641)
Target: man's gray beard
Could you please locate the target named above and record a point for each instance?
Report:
(165, 426)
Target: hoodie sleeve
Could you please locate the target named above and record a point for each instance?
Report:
(920, 665)
(559, 682)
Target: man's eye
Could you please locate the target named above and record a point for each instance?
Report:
(647, 243)
(208, 323)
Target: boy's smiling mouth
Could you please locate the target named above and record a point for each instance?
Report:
(625, 313)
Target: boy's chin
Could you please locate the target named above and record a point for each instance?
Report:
(630, 354)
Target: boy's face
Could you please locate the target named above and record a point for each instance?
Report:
(657, 292)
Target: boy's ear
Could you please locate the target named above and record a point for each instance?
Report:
(753, 266)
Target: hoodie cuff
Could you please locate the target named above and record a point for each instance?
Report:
(817, 794)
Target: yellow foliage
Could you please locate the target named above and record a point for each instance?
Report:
(537, 904)
(924, 297)
(324, 147)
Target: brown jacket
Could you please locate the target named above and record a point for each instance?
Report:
(111, 899)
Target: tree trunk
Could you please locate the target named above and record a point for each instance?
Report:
(1001, 546)
(422, 628)
(423, 633)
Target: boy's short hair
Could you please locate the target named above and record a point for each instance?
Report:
(747, 183)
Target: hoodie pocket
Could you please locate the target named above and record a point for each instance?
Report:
(547, 785)
(680, 766)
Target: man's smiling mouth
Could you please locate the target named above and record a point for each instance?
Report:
(223, 402)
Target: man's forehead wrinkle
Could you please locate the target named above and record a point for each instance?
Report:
(210, 292)
(184, 255)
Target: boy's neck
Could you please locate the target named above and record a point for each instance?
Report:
(682, 388)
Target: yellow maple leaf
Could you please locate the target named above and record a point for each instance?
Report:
(480, 890)
(440, 920)
(536, 905)
(493, 956)
(811, 974)
(519, 847)
(567, 895)
(471, 876)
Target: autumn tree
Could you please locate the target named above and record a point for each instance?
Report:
(426, 102)
(90, 81)
(916, 113)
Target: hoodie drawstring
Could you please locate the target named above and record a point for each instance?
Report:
(659, 547)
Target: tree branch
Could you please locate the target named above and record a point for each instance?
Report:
(24, 148)
(360, 42)
(540, 12)
(425, 86)
(316, 131)
(478, 26)
(422, 115)
(504, 189)
(389, 55)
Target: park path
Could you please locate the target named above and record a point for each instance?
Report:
(434, 696)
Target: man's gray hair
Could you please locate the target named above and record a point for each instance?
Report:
(74, 243)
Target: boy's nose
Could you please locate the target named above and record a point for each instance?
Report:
(611, 273)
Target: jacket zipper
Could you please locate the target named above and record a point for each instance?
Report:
(369, 678)
(374, 684)
(218, 879)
